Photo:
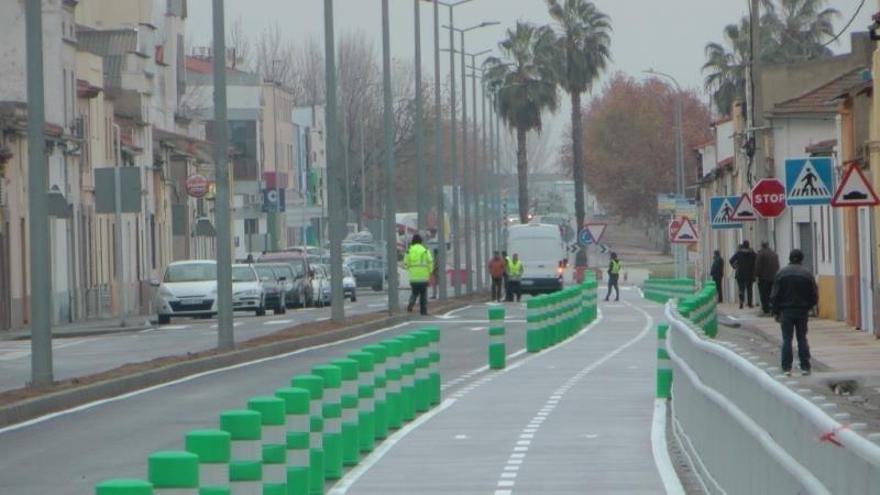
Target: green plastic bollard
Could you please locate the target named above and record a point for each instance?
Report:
(173, 472)
(296, 409)
(315, 385)
(274, 451)
(422, 378)
(393, 386)
(664, 365)
(380, 406)
(246, 464)
(407, 379)
(332, 414)
(124, 487)
(350, 444)
(497, 348)
(214, 449)
(366, 400)
(435, 386)
(533, 334)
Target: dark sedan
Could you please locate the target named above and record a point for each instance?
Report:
(367, 270)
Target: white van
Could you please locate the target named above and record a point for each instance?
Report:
(542, 252)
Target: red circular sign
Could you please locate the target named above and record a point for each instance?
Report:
(768, 197)
(197, 186)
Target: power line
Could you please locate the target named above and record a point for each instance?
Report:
(848, 24)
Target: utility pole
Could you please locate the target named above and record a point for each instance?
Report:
(337, 306)
(465, 199)
(38, 201)
(390, 207)
(438, 158)
(453, 165)
(421, 204)
(475, 183)
(225, 335)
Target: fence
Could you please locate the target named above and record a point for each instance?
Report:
(663, 289)
(552, 318)
(748, 432)
(290, 443)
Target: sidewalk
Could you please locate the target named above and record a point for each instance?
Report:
(85, 328)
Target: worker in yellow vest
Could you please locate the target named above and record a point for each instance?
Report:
(514, 275)
(613, 276)
(419, 263)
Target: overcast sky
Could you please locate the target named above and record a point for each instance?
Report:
(668, 35)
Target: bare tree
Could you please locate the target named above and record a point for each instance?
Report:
(240, 45)
(274, 56)
(308, 80)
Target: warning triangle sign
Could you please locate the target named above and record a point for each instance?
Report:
(855, 190)
(809, 184)
(744, 210)
(686, 233)
(725, 213)
(596, 230)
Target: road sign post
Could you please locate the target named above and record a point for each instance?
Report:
(808, 181)
(855, 189)
(721, 210)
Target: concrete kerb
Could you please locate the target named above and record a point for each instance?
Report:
(58, 401)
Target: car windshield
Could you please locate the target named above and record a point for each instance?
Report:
(191, 272)
(283, 271)
(346, 272)
(243, 274)
(265, 272)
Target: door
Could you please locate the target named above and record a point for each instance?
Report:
(806, 245)
(866, 269)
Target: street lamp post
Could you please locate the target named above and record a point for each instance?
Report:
(679, 251)
(438, 154)
(421, 206)
(390, 208)
(477, 170)
(334, 192)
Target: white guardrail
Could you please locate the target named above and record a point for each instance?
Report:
(747, 433)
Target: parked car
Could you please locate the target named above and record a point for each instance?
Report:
(274, 287)
(368, 271)
(359, 248)
(349, 285)
(188, 288)
(321, 285)
(290, 286)
(247, 291)
(300, 295)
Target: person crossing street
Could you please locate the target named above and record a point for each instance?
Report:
(419, 263)
(613, 277)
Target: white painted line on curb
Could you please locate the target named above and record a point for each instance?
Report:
(661, 450)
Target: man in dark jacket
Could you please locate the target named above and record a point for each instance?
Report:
(743, 261)
(793, 295)
(766, 267)
(717, 273)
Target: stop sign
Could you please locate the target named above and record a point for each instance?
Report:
(197, 186)
(674, 225)
(768, 197)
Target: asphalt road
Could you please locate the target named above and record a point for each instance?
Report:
(80, 356)
(69, 453)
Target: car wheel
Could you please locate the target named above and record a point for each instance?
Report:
(377, 288)
(164, 319)
(261, 311)
(279, 308)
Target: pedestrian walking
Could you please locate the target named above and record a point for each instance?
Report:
(435, 275)
(793, 296)
(743, 262)
(497, 269)
(419, 263)
(613, 277)
(506, 278)
(717, 273)
(514, 275)
(766, 268)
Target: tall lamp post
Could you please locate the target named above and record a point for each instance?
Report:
(477, 170)
(390, 207)
(334, 191)
(679, 251)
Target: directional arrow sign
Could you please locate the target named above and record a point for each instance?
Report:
(603, 248)
(855, 190)
(744, 210)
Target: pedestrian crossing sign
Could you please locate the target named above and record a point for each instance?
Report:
(808, 181)
(855, 190)
(721, 210)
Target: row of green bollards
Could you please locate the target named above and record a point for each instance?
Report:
(553, 318)
(661, 290)
(664, 365)
(701, 309)
(290, 443)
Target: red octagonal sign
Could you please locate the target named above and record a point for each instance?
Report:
(768, 197)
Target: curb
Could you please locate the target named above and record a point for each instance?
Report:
(58, 401)
(19, 336)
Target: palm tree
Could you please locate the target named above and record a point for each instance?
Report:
(524, 83)
(726, 65)
(583, 40)
(802, 27)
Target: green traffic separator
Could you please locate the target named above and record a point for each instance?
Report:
(274, 438)
(246, 464)
(497, 348)
(435, 387)
(380, 406)
(393, 398)
(422, 363)
(366, 400)
(350, 444)
(331, 410)
(407, 379)
(664, 365)
(297, 408)
(315, 385)
(533, 333)
(214, 450)
(124, 487)
(173, 472)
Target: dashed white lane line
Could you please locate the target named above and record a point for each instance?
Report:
(172, 327)
(277, 322)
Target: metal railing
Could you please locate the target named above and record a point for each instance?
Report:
(746, 432)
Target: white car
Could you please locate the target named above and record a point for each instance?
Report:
(188, 288)
(247, 290)
(320, 285)
(349, 284)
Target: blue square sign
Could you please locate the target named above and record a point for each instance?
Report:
(721, 209)
(808, 181)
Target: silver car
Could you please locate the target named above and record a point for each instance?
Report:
(188, 288)
(247, 290)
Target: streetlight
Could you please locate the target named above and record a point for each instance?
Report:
(466, 199)
(334, 194)
(476, 165)
(679, 250)
(390, 208)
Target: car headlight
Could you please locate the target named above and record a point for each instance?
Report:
(165, 292)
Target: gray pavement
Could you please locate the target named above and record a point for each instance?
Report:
(70, 452)
(79, 356)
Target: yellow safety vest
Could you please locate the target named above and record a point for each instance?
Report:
(419, 263)
(615, 267)
(515, 270)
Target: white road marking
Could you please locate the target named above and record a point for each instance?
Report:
(661, 450)
(460, 437)
(169, 327)
(477, 329)
(449, 314)
(377, 305)
(277, 322)
(461, 322)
